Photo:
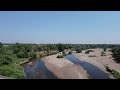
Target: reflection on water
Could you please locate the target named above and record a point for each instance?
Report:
(38, 70)
(92, 70)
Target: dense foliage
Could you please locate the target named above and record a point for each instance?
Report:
(116, 53)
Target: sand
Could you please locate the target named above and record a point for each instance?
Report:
(99, 61)
(64, 69)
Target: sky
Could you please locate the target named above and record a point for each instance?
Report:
(82, 27)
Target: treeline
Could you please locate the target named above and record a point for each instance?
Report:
(27, 48)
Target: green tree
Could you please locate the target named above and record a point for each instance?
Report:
(32, 54)
(22, 55)
(60, 47)
(79, 50)
(1, 45)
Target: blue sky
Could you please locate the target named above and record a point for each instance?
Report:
(60, 26)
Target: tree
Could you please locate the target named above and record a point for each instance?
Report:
(60, 47)
(116, 53)
(22, 55)
(79, 50)
(1, 45)
(32, 54)
(6, 59)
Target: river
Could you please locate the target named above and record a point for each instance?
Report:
(93, 71)
(40, 71)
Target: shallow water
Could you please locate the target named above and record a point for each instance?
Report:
(93, 71)
(38, 70)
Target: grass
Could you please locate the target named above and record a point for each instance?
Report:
(113, 72)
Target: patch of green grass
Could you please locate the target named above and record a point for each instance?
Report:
(113, 72)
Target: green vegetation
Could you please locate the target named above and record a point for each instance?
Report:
(12, 55)
(113, 72)
(60, 56)
(32, 54)
(88, 51)
(116, 54)
(79, 50)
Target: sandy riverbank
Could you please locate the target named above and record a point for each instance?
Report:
(64, 69)
(98, 60)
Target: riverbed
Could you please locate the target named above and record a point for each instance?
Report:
(39, 70)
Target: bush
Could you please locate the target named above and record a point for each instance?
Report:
(42, 55)
(60, 56)
(53, 52)
(78, 50)
(116, 54)
(32, 54)
(12, 72)
(88, 51)
(5, 59)
(113, 72)
(22, 55)
(102, 53)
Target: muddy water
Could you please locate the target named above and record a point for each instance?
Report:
(93, 71)
(37, 70)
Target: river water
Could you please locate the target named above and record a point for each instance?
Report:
(39, 71)
(93, 71)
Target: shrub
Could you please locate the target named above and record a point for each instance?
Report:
(12, 72)
(53, 52)
(88, 51)
(113, 72)
(42, 55)
(116, 54)
(5, 59)
(60, 56)
(102, 53)
(22, 55)
(79, 50)
(32, 54)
